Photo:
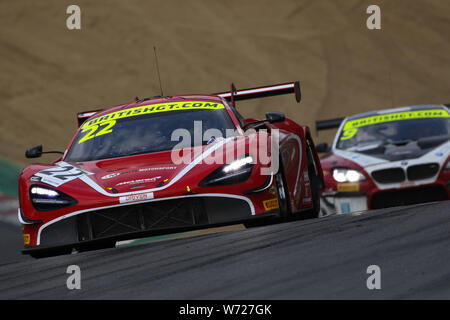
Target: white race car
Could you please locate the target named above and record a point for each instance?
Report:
(386, 158)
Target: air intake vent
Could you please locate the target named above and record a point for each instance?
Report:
(394, 175)
(422, 171)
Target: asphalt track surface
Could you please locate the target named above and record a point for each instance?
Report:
(305, 259)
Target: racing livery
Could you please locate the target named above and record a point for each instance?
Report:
(133, 170)
(386, 158)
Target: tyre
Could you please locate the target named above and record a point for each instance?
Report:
(315, 185)
(315, 193)
(283, 195)
(283, 202)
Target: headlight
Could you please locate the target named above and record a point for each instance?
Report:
(235, 172)
(237, 164)
(347, 175)
(47, 199)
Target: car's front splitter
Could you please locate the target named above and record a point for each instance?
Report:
(65, 248)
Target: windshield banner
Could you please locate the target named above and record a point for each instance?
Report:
(153, 108)
(351, 127)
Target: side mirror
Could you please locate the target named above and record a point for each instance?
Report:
(323, 147)
(34, 152)
(273, 117)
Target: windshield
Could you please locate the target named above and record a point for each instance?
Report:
(130, 133)
(381, 130)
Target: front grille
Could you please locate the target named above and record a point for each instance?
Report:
(408, 197)
(422, 171)
(140, 217)
(394, 175)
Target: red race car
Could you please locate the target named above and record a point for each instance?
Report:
(134, 170)
(386, 158)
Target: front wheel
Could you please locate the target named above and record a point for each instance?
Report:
(283, 195)
(315, 183)
(283, 203)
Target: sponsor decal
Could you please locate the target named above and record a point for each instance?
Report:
(348, 187)
(138, 181)
(351, 127)
(104, 124)
(142, 170)
(271, 204)
(59, 175)
(136, 197)
(26, 238)
(111, 175)
(158, 168)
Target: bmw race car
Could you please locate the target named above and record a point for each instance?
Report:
(386, 158)
(134, 170)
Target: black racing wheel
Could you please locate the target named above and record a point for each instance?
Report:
(283, 194)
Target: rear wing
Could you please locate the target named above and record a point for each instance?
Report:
(329, 124)
(261, 92)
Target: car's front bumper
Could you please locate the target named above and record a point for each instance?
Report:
(347, 202)
(165, 215)
(150, 216)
